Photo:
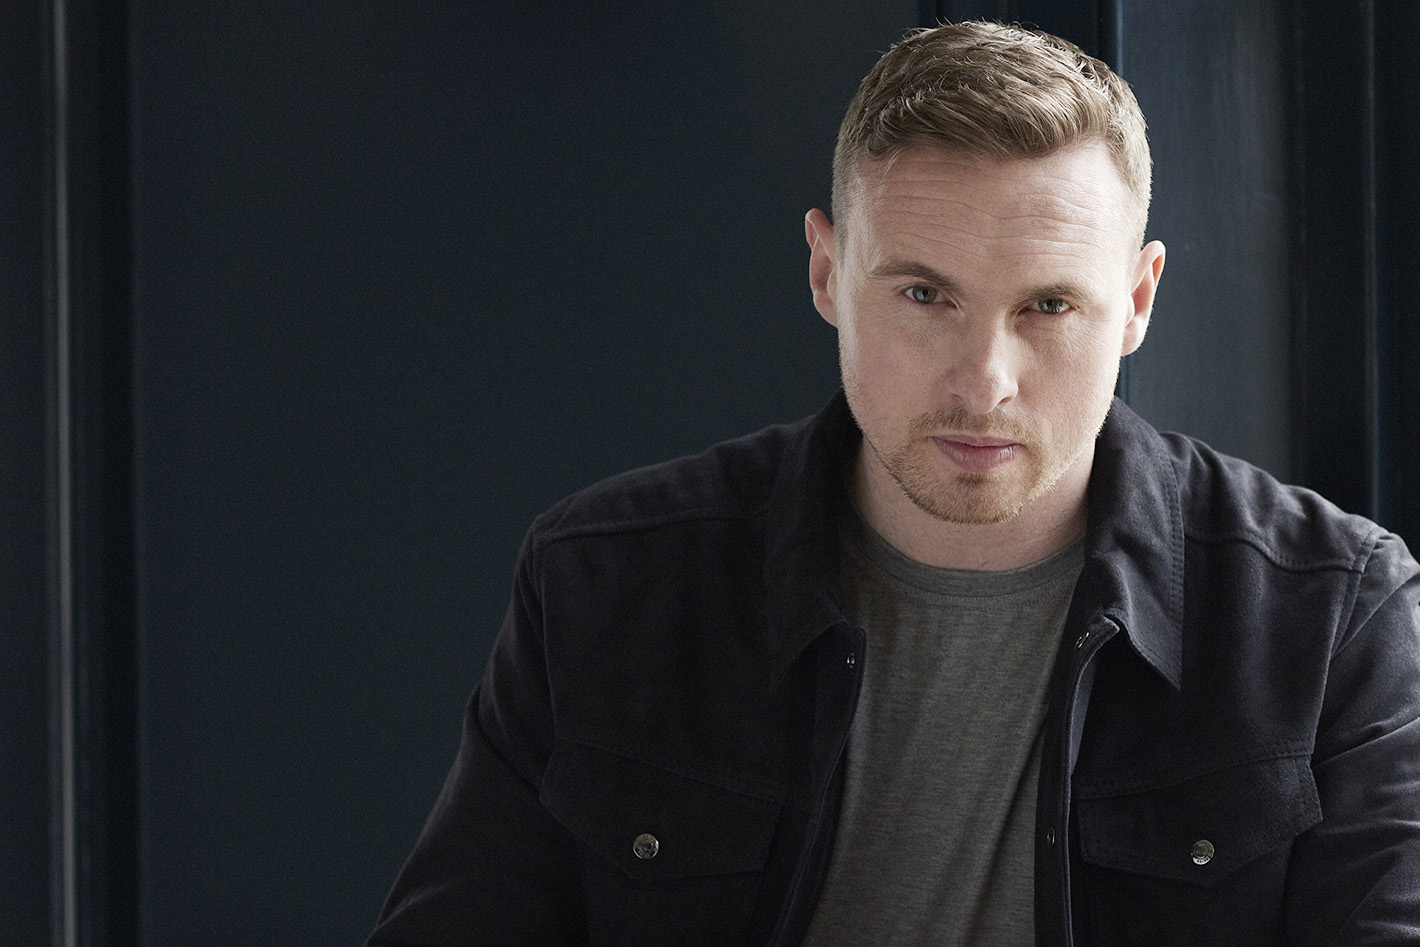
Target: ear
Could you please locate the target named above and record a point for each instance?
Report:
(1147, 270)
(823, 250)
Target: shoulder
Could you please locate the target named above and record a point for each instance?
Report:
(1177, 485)
(1198, 510)
(1230, 504)
(1226, 500)
(728, 481)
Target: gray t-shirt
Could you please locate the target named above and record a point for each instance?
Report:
(935, 841)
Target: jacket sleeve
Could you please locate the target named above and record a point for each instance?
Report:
(491, 867)
(1355, 877)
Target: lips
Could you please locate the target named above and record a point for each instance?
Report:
(974, 453)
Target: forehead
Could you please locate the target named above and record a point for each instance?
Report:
(1064, 209)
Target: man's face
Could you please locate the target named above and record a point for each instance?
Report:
(982, 308)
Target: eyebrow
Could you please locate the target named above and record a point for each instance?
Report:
(899, 268)
(920, 271)
(1071, 291)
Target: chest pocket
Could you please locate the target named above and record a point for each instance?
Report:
(1199, 830)
(667, 858)
(1201, 859)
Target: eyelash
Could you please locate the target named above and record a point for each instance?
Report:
(1064, 304)
(911, 291)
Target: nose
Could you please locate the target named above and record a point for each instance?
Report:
(981, 368)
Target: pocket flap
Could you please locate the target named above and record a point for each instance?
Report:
(1199, 829)
(652, 822)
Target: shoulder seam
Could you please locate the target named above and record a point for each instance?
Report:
(1353, 594)
(1337, 563)
(611, 527)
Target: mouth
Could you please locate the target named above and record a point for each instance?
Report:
(974, 453)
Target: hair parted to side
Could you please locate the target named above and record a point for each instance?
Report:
(991, 91)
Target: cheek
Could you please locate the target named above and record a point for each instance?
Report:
(887, 350)
(1080, 369)
(863, 354)
(850, 362)
(881, 385)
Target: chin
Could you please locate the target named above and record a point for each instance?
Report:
(975, 500)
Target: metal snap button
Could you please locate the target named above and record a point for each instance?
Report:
(1050, 837)
(646, 846)
(1080, 641)
(852, 659)
(1203, 852)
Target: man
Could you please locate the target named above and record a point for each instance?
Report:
(975, 656)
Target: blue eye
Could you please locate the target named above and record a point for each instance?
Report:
(922, 294)
(1053, 306)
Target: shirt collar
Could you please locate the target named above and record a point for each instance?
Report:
(801, 568)
(1135, 542)
(1134, 539)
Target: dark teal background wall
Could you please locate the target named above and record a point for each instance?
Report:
(406, 274)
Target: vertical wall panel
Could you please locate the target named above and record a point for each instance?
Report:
(1334, 292)
(1397, 265)
(25, 850)
(1216, 360)
(90, 499)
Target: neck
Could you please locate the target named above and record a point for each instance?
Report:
(1045, 526)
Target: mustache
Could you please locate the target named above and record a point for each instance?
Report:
(961, 421)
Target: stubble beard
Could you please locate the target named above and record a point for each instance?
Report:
(968, 498)
(963, 498)
(965, 501)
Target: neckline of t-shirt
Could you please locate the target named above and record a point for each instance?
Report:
(876, 553)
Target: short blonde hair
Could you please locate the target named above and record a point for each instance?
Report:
(992, 91)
